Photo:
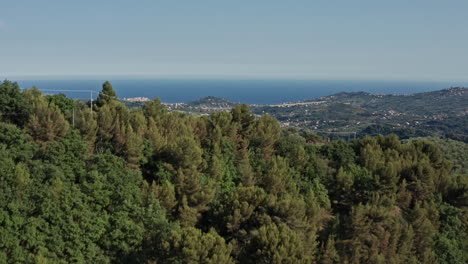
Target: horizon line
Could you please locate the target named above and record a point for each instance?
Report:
(110, 77)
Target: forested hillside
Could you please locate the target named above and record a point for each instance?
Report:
(145, 185)
(440, 113)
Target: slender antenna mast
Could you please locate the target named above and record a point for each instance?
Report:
(91, 97)
(73, 117)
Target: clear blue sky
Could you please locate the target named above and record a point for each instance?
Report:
(329, 39)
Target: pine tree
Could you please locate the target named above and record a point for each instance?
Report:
(190, 245)
(153, 135)
(106, 123)
(165, 193)
(107, 95)
(133, 148)
(330, 254)
(47, 123)
(242, 116)
(424, 232)
(243, 164)
(277, 179)
(88, 126)
(154, 109)
(14, 107)
(277, 244)
(266, 135)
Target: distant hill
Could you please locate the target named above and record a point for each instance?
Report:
(211, 101)
(450, 101)
(204, 105)
(453, 101)
(442, 113)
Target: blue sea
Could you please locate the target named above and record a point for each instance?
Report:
(252, 91)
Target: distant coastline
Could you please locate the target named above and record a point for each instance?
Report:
(252, 91)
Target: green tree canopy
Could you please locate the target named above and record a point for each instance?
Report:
(107, 94)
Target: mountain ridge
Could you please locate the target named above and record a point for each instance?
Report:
(453, 91)
(440, 113)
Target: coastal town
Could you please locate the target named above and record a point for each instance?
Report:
(351, 113)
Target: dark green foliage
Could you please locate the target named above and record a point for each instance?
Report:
(454, 151)
(277, 244)
(151, 186)
(13, 106)
(190, 245)
(15, 142)
(438, 114)
(451, 243)
(339, 153)
(154, 109)
(65, 104)
(107, 95)
(47, 123)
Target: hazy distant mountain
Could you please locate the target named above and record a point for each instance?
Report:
(204, 105)
(447, 101)
(437, 113)
(211, 101)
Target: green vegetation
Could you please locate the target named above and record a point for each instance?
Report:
(204, 105)
(455, 151)
(438, 114)
(145, 185)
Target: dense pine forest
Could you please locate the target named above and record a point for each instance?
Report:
(109, 184)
